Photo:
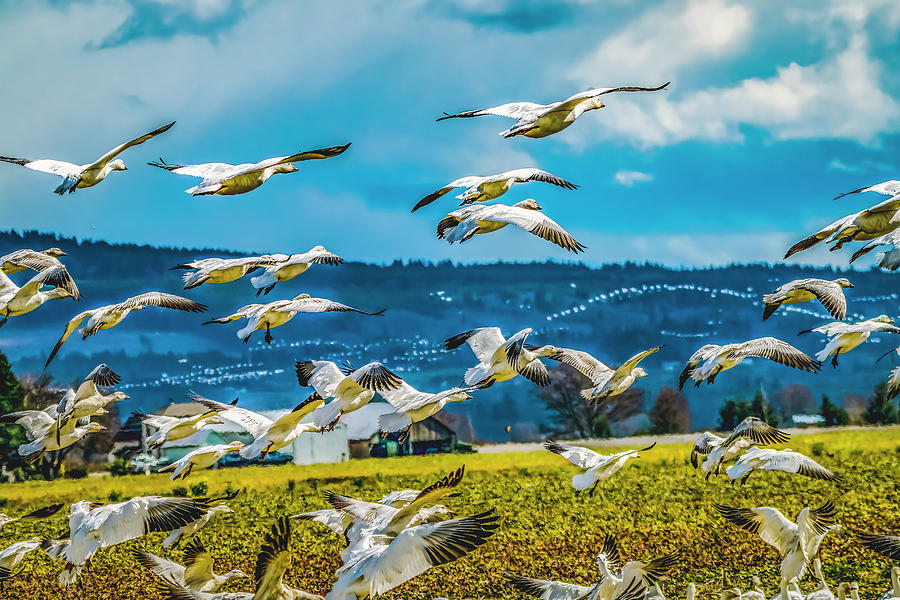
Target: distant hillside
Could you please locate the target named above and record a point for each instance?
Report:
(611, 311)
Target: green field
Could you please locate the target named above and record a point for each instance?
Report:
(655, 506)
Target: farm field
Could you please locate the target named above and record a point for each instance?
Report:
(655, 506)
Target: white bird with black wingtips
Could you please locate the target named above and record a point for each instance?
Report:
(770, 459)
(711, 359)
(16, 301)
(597, 466)
(221, 270)
(84, 176)
(501, 359)
(287, 267)
(482, 189)
(829, 293)
(605, 381)
(197, 572)
(25, 259)
(890, 187)
(718, 450)
(844, 337)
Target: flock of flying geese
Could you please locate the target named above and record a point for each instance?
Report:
(408, 532)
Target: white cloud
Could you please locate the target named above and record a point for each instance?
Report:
(629, 178)
(836, 164)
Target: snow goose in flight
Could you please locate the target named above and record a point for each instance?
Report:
(197, 573)
(770, 459)
(597, 466)
(221, 270)
(829, 293)
(382, 567)
(349, 389)
(21, 260)
(275, 314)
(844, 337)
(482, 189)
(888, 545)
(13, 554)
(16, 301)
(88, 400)
(717, 450)
(890, 258)
(885, 188)
(605, 381)
(462, 224)
(185, 531)
(288, 267)
(710, 360)
(540, 120)
(84, 176)
(340, 522)
(614, 581)
(272, 563)
(500, 359)
(268, 435)
(41, 432)
(864, 225)
(411, 406)
(111, 315)
(201, 458)
(796, 542)
(94, 526)
(225, 179)
(172, 429)
(41, 513)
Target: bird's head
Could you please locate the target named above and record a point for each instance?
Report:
(213, 420)
(54, 252)
(318, 249)
(286, 168)
(220, 510)
(844, 282)
(118, 396)
(302, 296)
(235, 446)
(529, 203)
(883, 319)
(118, 165)
(235, 574)
(639, 372)
(95, 427)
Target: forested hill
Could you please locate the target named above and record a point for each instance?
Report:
(611, 311)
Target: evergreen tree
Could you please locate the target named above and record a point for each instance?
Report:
(761, 408)
(12, 396)
(733, 412)
(833, 414)
(881, 409)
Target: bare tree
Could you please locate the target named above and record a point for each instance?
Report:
(575, 416)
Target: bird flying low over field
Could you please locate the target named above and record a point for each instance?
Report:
(172, 429)
(500, 359)
(225, 179)
(717, 450)
(540, 120)
(195, 575)
(710, 360)
(44, 512)
(863, 226)
(348, 389)
(287, 267)
(605, 381)
(275, 314)
(41, 431)
(844, 337)
(88, 400)
(84, 176)
(201, 458)
(829, 293)
(461, 224)
(770, 459)
(597, 466)
(482, 189)
(341, 522)
(412, 406)
(111, 315)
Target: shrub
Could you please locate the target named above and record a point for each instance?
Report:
(114, 496)
(180, 491)
(200, 488)
(3, 502)
(76, 473)
(119, 467)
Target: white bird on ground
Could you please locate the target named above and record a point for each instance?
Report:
(885, 188)
(482, 189)
(614, 581)
(770, 459)
(888, 545)
(111, 315)
(275, 314)
(844, 337)
(383, 566)
(750, 431)
(94, 526)
(16, 301)
(561, 590)
(500, 359)
(221, 270)
(290, 266)
(272, 563)
(27, 259)
(605, 381)
(412, 406)
(196, 574)
(172, 429)
(829, 293)
(226, 180)
(41, 513)
(88, 400)
(597, 466)
(84, 176)
(797, 543)
(821, 592)
(894, 591)
(755, 592)
(201, 458)
(863, 226)
(463, 223)
(13, 554)
(348, 389)
(710, 360)
(540, 120)
(793, 593)
(268, 435)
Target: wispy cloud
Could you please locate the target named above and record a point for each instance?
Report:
(629, 178)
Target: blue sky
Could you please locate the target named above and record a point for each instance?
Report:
(774, 109)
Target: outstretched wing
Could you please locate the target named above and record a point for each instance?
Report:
(168, 571)
(548, 590)
(198, 564)
(758, 431)
(534, 222)
(775, 350)
(532, 174)
(300, 156)
(888, 545)
(162, 300)
(830, 295)
(54, 167)
(513, 110)
(577, 455)
(317, 305)
(585, 363)
(255, 423)
(273, 560)
(483, 341)
(203, 171)
(71, 326)
(768, 523)
(103, 160)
